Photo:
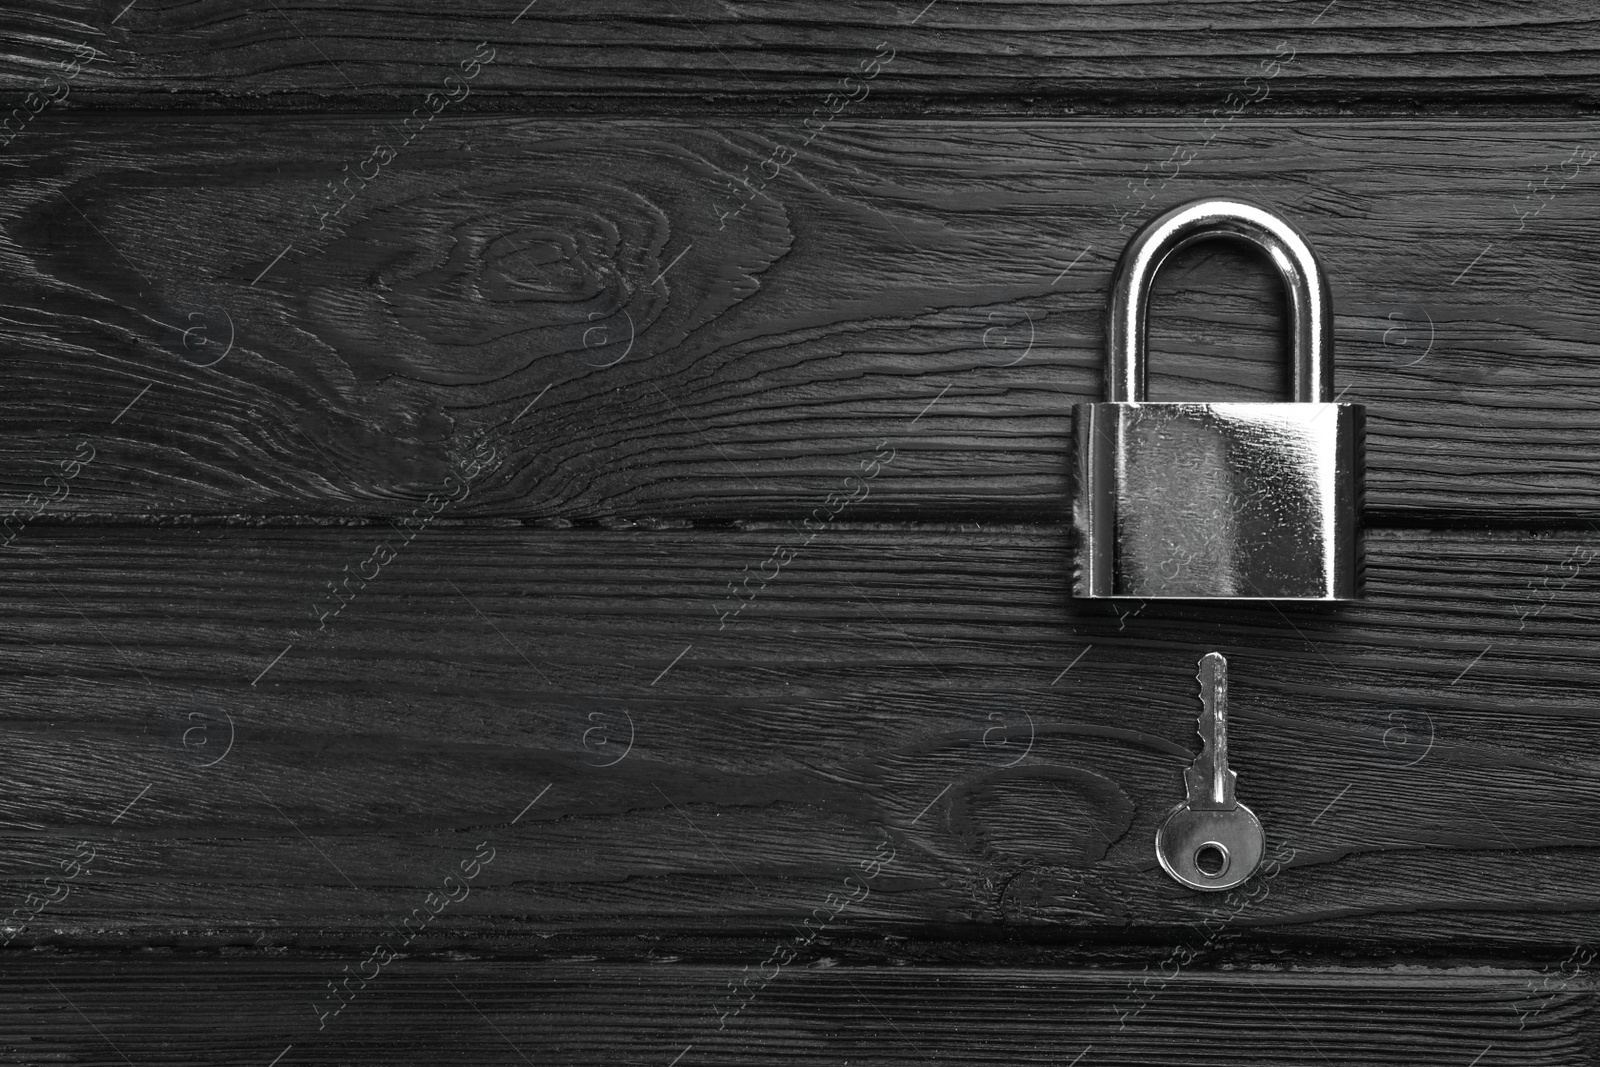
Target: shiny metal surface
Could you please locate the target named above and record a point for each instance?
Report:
(1185, 834)
(1203, 501)
(1310, 305)
(1211, 819)
(1226, 500)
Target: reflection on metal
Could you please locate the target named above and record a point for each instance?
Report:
(1226, 500)
(1211, 841)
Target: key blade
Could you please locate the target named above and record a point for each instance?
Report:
(1209, 781)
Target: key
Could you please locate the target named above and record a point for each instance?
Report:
(1211, 841)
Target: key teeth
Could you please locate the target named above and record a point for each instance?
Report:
(1213, 679)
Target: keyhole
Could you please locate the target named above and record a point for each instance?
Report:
(1211, 858)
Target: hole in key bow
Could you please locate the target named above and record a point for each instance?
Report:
(1211, 858)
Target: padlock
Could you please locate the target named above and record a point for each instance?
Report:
(1219, 501)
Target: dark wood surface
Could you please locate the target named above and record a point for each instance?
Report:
(934, 689)
(501, 1012)
(222, 789)
(565, 288)
(1154, 54)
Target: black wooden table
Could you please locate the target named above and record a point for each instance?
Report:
(538, 535)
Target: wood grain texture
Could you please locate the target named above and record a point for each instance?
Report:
(551, 54)
(1423, 751)
(545, 750)
(567, 290)
(171, 1011)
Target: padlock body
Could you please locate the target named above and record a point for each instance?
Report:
(1201, 501)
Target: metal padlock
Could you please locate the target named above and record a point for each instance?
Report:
(1219, 501)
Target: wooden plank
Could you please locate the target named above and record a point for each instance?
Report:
(425, 1011)
(567, 290)
(231, 53)
(222, 768)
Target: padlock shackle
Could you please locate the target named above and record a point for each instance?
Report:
(1310, 306)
